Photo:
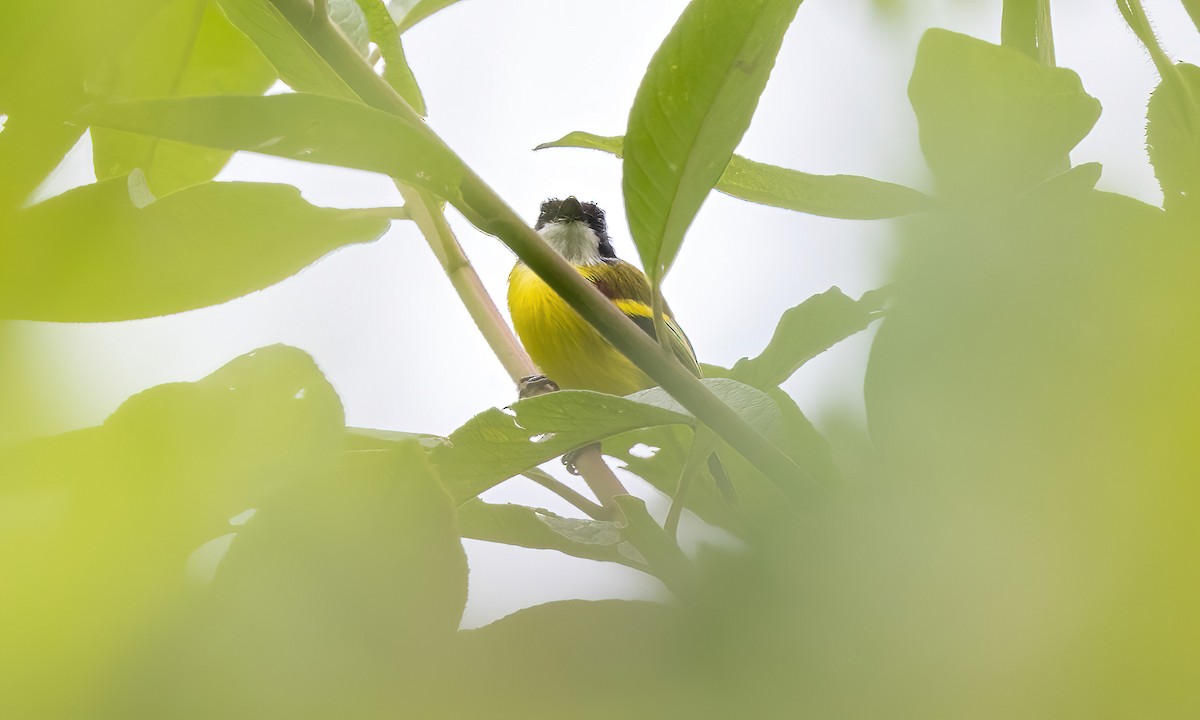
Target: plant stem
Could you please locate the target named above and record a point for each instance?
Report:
(1139, 23)
(657, 308)
(1026, 27)
(487, 211)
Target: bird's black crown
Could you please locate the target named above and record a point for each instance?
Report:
(572, 210)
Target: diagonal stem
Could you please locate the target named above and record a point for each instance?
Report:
(487, 211)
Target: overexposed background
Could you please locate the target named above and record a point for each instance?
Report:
(501, 76)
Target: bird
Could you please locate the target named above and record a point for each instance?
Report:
(568, 350)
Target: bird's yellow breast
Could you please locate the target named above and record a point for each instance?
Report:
(566, 348)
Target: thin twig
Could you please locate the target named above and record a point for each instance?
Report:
(589, 508)
(500, 338)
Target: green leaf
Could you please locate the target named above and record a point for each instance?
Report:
(336, 593)
(299, 126)
(189, 49)
(51, 54)
(410, 12)
(993, 121)
(690, 112)
(91, 254)
(1173, 137)
(541, 529)
(849, 197)
(352, 20)
(298, 64)
(496, 445)
(386, 35)
(805, 331)
(98, 524)
(588, 660)
(381, 530)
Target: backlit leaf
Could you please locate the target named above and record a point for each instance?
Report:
(189, 49)
(1173, 137)
(690, 112)
(805, 331)
(849, 197)
(541, 529)
(299, 126)
(91, 254)
(298, 64)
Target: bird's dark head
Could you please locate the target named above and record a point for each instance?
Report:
(576, 229)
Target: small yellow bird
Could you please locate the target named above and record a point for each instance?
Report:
(566, 348)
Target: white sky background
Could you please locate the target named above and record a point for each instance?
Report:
(501, 76)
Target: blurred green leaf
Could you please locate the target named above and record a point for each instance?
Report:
(805, 331)
(91, 254)
(386, 36)
(1173, 138)
(329, 603)
(602, 660)
(299, 126)
(690, 112)
(188, 49)
(541, 529)
(849, 197)
(993, 121)
(298, 64)
(51, 55)
(496, 445)
(96, 525)
(410, 12)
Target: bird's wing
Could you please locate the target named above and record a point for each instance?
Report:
(630, 291)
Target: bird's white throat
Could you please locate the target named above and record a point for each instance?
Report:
(575, 241)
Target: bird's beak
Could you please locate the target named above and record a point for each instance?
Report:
(570, 210)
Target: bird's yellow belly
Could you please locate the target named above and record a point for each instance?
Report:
(568, 350)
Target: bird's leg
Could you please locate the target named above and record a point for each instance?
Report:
(533, 385)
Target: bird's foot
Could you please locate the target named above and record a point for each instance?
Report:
(568, 460)
(535, 385)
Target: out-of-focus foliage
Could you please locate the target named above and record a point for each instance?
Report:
(1014, 538)
(188, 48)
(197, 247)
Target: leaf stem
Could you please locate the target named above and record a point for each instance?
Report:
(488, 212)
